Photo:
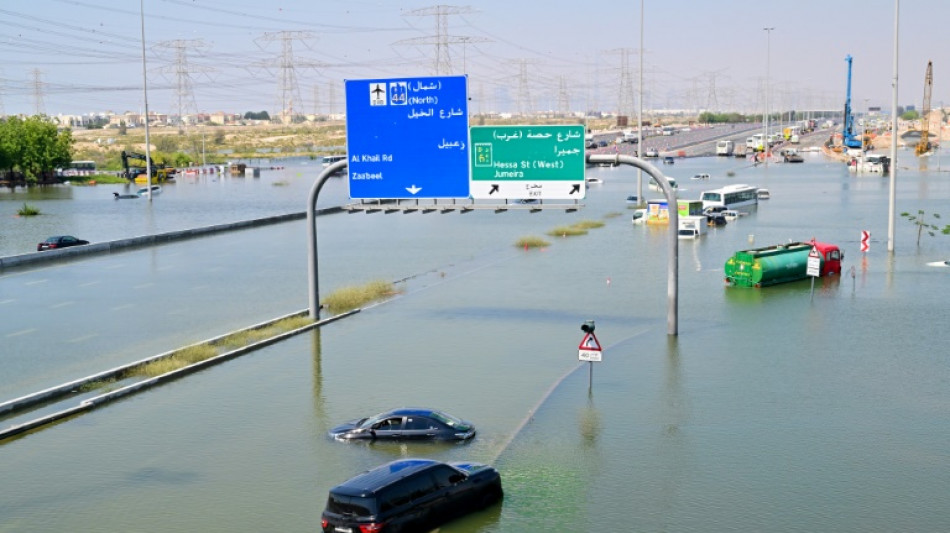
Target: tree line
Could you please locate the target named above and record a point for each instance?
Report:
(32, 148)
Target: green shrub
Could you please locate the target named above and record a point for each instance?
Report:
(589, 224)
(28, 210)
(567, 231)
(531, 242)
(578, 228)
(349, 298)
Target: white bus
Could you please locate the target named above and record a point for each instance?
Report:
(725, 148)
(330, 159)
(731, 196)
(80, 168)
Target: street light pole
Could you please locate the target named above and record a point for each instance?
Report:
(148, 151)
(892, 196)
(640, 113)
(768, 60)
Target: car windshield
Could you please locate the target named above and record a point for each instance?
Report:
(373, 420)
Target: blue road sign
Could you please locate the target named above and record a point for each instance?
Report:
(408, 137)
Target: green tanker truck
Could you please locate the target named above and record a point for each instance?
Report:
(781, 263)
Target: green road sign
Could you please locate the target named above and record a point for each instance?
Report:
(528, 162)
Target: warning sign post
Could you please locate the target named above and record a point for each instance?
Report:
(589, 349)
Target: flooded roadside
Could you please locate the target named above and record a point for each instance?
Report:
(769, 411)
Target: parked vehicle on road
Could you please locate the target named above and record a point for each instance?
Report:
(410, 495)
(59, 241)
(406, 424)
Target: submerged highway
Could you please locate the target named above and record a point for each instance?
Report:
(748, 420)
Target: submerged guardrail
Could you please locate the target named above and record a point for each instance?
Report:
(121, 245)
(57, 393)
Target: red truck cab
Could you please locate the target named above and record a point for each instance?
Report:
(831, 257)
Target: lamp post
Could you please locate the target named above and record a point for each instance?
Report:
(892, 188)
(864, 136)
(148, 151)
(768, 59)
(640, 113)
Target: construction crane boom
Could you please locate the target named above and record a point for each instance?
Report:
(923, 147)
(848, 138)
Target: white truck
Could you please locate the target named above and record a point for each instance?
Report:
(691, 227)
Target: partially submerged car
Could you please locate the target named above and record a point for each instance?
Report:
(60, 241)
(639, 216)
(409, 495)
(406, 424)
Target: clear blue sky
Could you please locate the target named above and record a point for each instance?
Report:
(228, 55)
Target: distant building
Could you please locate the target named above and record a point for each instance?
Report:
(221, 118)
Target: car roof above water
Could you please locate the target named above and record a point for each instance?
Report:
(413, 411)
(382, 476)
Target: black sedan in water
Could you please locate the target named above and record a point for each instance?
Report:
(406, 424)
(59, 241)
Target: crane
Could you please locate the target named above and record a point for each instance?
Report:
(923, 146)
(847, 134)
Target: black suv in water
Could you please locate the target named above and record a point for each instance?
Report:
(410, 495)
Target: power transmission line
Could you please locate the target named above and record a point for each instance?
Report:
(525, 105)
(626, 102)
(288, 91)
(182, 71)
(38, 105)
(563, 98)
(442, 64)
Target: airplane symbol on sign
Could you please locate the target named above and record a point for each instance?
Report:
(377, 95)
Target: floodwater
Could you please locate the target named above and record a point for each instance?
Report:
(90, 212)
(773, 409)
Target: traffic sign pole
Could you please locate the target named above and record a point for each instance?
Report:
(813, 267)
